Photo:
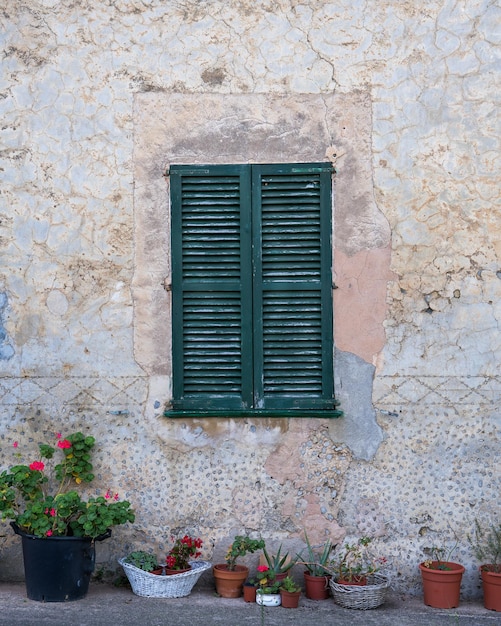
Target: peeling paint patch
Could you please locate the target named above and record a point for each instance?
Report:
(360, 303)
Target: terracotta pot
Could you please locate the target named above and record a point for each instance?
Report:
(229, 583)
(316, 587)
(359, 581)
(442, 587)
(290, 600)
(491, 583)
(164, 571)
(281, 576)
(249, 592)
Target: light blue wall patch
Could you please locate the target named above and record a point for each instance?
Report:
(6, 350)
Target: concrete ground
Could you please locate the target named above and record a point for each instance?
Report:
(108, 605)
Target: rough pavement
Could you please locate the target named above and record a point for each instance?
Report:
(108, 605)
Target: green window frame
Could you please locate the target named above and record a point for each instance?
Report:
(252, 319)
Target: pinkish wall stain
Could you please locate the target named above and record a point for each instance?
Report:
(360, 301)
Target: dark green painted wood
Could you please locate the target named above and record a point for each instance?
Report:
(251, 286)
(292, 316)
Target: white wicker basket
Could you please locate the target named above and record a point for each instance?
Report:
(363, 597)
(155, 586)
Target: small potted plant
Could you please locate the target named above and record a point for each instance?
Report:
(441, 578)
(290, 593)
(175, 579)
(57, 526)
(182, 552)
(487, 547)
(316, 575)
(142, 560)
(249, 589)
(279, 563)
(353, 563)
(229, 576)
(268, 587)
(356, 583)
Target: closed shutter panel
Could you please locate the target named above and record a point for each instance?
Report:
(251, 290)
(292, 288)
(211, 276)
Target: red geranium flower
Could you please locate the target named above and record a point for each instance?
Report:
(183, 549)
(37, 465)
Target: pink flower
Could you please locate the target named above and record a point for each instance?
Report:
(58, 435)
(115, 497)
(64, 444)
(107, 495)
(53, 512)
(15, 444)
(37, 465)
(49, 533)
(262, 568)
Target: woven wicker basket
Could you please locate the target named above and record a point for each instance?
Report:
(155, 586)
(368, 596)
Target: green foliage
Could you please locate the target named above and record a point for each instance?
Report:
(266, 581)
(487, 547)
(143, 560)
(278, 563)
(441, 555)
(26, 500)
(76, 464)
(316, 562)
(240, 547)
(98, 515)
(288, 584)
(354, 561)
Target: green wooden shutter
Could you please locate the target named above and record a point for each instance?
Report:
(211, 275)
(251, 290)
(292, 288)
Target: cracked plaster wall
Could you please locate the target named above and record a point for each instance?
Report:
(420, 226)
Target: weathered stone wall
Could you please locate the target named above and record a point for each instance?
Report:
(97, 99)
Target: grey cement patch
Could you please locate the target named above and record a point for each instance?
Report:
(358, 429)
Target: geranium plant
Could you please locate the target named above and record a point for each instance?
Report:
(42, 500)
(182, 551)
(266, 581)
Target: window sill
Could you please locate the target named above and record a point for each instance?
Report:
(303, 413)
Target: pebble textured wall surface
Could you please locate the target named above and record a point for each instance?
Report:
(77, 270)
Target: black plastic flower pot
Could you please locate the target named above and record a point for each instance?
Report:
(57, 569)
